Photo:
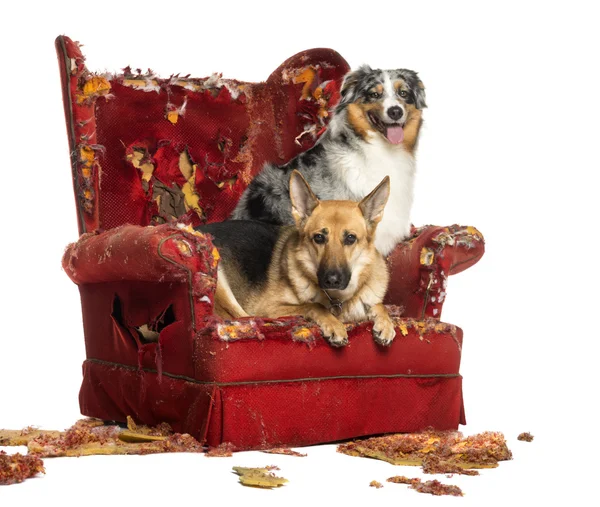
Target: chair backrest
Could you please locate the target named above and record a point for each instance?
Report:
(145, 149)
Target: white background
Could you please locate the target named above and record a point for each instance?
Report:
(509, 146)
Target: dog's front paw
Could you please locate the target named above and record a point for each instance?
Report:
(335, 333)
(338, 340)
(383, 330)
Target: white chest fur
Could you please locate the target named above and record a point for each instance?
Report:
(361, 171)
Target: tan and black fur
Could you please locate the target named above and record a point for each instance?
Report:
(299, 270)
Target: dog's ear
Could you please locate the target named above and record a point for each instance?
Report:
(372, 205)
(303, 200)
(351, 79)
(415, 84)
(420, 95)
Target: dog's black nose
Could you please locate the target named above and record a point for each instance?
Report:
(334, 279)
(395, 113)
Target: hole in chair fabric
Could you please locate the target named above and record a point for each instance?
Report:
(150, 332)
(121, 332)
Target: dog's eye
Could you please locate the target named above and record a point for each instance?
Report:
(403, 93)
(319, 239)
(350, 239)
(374, 95)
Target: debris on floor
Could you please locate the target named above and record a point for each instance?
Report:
(525, 437)
(224, 450)
(434, 487)
(401, 479)
(286, 451)
(92, 437)
(433, 464)
(437, 451)
(16, 468)
(259, 477)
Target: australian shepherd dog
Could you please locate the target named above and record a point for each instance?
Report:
(373, 133)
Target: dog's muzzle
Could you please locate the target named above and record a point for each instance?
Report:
(393, 132)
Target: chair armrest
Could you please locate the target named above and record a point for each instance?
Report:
(420, 267)
(165, 253)
(130, 252)
(145, 293)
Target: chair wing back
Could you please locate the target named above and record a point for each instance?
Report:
(146, 150)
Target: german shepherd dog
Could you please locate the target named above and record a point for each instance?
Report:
(373, 133)
(325, 267)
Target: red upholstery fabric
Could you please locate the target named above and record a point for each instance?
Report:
(151, 156)
(420, 267)
(264, 415)
(227, 128)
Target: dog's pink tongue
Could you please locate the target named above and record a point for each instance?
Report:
(395, 135)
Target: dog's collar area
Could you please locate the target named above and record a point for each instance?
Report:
(335, 305)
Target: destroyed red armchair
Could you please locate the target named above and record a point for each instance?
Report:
(151, 157)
